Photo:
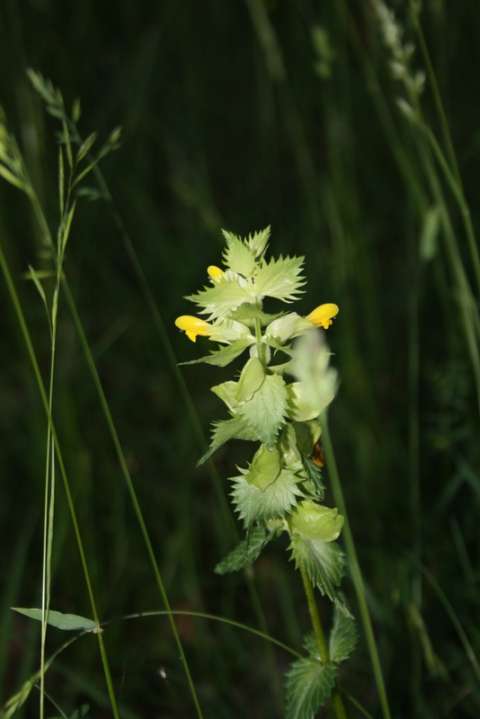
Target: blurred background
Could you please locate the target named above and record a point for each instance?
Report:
(238, 115)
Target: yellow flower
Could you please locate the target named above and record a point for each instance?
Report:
(322, 316)
(193, 326)
(215, 273)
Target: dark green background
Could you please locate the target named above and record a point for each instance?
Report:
(228, 123)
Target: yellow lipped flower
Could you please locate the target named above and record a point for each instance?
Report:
(193, 326)
(215, 273)
(323, 315)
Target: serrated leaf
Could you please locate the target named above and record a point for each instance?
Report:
(315, 477)
(258, 241)
(224, 431)
(309, 685)
(275, 500)
(223, 356)
(265, 412)
(323, 562)
(246, 552)
(66, 622)
(227, 392)
(220, 299)
(251, 379)
(280, 278)
(343, 637)
(237, 256)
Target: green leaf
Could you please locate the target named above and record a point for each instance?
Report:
(223, 356)
(220, 299)
(66, 622)
(265, 467)
(286, 328)
(309, 685)
(275, 500)
(343, 637)
(315, 477)
(308, 434)
(265, 412)
(251, 379)
(11, 178)
(227, 392)
(280, 278)
(249, 312)
(323, 562)
(86, 146)
(246, 552)
(430, 232)
(258, 241)
(224, 431)
(238, 256)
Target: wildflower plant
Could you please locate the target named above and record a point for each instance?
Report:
(277, 402)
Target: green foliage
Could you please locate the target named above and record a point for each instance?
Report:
(322, 561)
(286, 328)
(60, 620)
(343, 637)
(11, 163)
(246, 552)
(223, 356)
(224, 431)
(255, 504)
(315, 521)
(265, 413)
(309, 685)
(218, 300)
(258, 241)
(265, 468)
(238, 256)
(281, 485)
(251, 379)
(281, 279)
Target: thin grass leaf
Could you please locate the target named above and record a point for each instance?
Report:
(60, 620)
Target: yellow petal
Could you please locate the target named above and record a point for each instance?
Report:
(193, 326)
(322, 316)
(214, 272)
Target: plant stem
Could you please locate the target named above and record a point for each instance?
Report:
(355, 571)
(322, 645)
(131, 491)
(71, 506)
(258, 337)
(315, 618)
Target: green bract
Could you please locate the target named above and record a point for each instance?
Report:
(276, 401)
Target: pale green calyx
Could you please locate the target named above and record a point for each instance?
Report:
(315, 521)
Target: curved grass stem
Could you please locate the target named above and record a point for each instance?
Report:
(71, 506)
(355, 571)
